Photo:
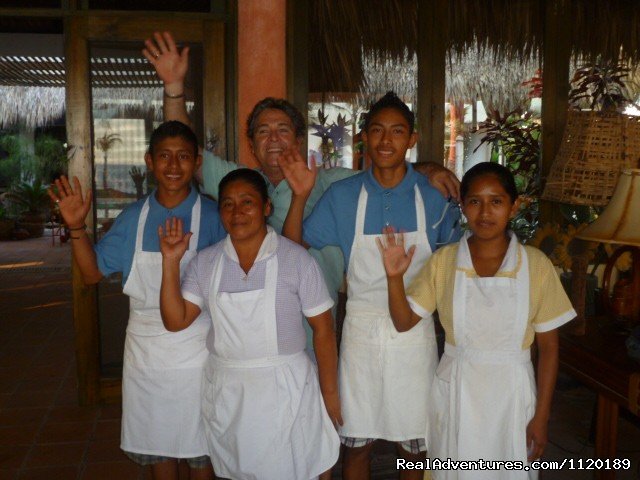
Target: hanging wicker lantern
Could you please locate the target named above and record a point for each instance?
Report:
(595, 148)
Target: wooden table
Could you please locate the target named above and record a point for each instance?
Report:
(599, 359)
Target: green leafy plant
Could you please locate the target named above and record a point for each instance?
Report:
(51, 158)
(47, 161)
(601, 87)
(516, 136)
(32, 197)
(13, 154)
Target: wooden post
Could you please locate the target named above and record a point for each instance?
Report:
(432, 50)
(78, 123)
(555, 79)
(298, 56)
(214, 76)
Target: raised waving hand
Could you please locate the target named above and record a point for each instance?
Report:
(73, 207)
(170, 63)
(299, 175)
(395, 258)
(173, 242)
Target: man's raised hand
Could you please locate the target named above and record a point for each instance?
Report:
(171, 65)
(300, 177)
(73, 207)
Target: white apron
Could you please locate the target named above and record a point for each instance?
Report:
(264, 414)
(484, 393)
(162, 371)
(384, 375)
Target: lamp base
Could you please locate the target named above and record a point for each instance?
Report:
(623, 302)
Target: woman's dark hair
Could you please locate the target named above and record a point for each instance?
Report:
(390, 100)
(501, 172)
(173, 128)
(271, 103)
(252, 177)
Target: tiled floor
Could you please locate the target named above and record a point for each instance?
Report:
(45, 435)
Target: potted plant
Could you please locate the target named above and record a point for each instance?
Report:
(32, 197)
(514, 139)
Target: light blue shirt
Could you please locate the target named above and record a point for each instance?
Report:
(329, 258)
(333, 219)
(115, 250)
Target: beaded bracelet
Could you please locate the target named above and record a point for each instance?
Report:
(83, 227)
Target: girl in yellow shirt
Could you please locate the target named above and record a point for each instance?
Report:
(489, 291)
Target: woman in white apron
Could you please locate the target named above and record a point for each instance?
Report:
(483, 401)
(262, 403)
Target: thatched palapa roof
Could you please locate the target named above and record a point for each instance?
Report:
(349, 36)
(32, 88)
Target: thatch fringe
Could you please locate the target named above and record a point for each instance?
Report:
(39, 106)
(343, 32)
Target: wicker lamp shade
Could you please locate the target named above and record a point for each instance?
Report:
(595, 148)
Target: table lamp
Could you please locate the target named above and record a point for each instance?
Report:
(620, 223)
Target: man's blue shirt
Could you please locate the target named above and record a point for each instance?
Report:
(333, 219)
(115, 250)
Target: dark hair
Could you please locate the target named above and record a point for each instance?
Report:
(252, 177)
(390, 100)
(169, 129)
(268, 103)
(502, 174)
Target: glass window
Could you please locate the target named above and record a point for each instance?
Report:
(126, 107)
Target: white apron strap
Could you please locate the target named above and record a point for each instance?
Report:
(142, 220)
(421, 216)
(272, 361)
(361, 212)
(522, 282)
(270, 284)
(463, 261)
(196, 213)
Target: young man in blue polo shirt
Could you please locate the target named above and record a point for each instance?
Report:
(384, 375)
(162, 371)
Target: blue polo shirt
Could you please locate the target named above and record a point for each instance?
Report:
(115, 250)
(333, 219)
